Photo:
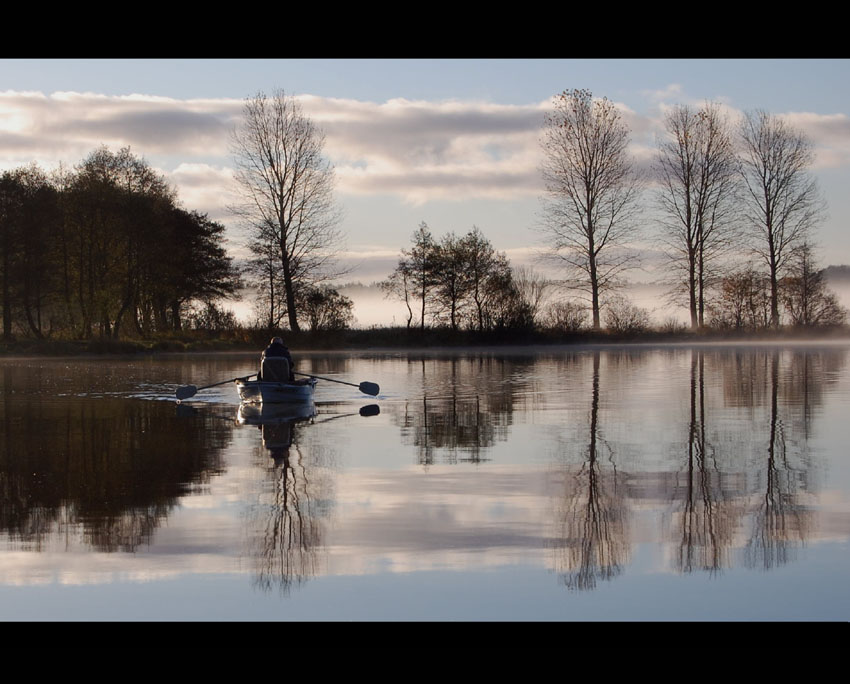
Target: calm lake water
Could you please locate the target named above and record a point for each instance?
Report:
(559, 484)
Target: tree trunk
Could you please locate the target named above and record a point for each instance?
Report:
(594, 294)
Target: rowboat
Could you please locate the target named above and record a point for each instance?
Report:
(259, 391)
(275, 392)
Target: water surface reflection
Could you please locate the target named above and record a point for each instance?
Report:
(107, 472)
(597, 465)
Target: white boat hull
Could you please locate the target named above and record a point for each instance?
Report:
(259, 392)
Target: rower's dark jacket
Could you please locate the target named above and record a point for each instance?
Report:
(278, 351)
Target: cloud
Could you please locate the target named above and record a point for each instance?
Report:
(431, 150)
(67, 126)
(207, 186)
(671, 91)
(830, 133)
(416, 150)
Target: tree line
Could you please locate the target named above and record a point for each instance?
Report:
(462, 282)
(104, 250)
(734, 211)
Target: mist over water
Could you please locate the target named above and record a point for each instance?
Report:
(371, 308)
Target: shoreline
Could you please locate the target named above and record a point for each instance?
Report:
(432, 342)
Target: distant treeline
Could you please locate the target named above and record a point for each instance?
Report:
(103, 250)
(462, 283)
(837, 273)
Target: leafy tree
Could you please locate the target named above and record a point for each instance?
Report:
(115, 210)
(324, 308)
(742, 302)
(210, 316)
(11, 207)
(83, 251)
(197, 266)
(514, 305)
(460, 278)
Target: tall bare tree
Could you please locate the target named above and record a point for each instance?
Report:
(399, 285)
(287, 193)
(420, 261)
(696, 168)
(783, 203)
(592, 191)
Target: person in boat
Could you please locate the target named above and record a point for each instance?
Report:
(276, 363)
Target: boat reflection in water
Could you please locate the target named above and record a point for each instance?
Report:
(287, 533)
(276, 422)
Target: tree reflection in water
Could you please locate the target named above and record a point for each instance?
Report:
(286, 528)
(105, 471)
(708, 517)
(467, 407)
(592, 542)
(755, 475)
(744, 484)
(781, 520)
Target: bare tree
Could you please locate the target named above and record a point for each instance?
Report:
(806, 297)
(532, 288)
(696, 168)
(592, 191)
(486, 269)
(421, 260)
(399, 285)
(287, 193)
(783, 203)
(415, 276)
(452, 280)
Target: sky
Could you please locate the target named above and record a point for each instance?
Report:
(453, 143)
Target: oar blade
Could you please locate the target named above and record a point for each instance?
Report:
(186, 391)
(369, 388)
(370, 410)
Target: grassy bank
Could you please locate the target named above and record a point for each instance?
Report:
(394, 338)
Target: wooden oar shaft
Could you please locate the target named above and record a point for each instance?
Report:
(188, 391)
(223, 382)
(341, 382)
(365, 387)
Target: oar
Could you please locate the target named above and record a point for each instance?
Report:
(365, 387)
(365, 411)
(190, 390)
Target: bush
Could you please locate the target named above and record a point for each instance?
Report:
(621, 316)
(212, 317)
(672, 326)
(565, 317)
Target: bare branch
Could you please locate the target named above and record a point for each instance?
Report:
(287, 200)
(592, 191)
